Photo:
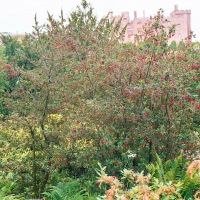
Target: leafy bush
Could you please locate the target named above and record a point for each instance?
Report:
(8, 187)
(164, 181)
(76, 96)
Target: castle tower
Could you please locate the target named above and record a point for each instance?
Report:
(182, 18)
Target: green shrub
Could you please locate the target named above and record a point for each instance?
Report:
(8, 187)
(168, 180)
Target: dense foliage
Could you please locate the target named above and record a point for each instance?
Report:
(75, 96)
(164, 181)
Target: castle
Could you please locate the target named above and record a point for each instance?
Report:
(181, 18)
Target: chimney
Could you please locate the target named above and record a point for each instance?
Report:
(143, 14)
(175, 7)
(135, 14)
(125, 15)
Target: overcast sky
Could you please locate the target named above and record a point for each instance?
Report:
(17, 16)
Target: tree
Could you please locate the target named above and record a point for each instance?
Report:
(173, 45)
(44, 100)
(11, 46)
(3, 85)
(2, 56)
(88, 97)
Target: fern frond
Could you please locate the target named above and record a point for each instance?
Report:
(160, 169)
(177, 168)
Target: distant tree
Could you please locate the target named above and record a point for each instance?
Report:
(173, 45)
(19, 52)
(196, 46)
(2, 55)
(11, 47)
(3, 86)
(181, 45)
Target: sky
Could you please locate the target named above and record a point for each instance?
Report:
(17, 16)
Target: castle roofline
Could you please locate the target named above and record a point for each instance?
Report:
(135, 17)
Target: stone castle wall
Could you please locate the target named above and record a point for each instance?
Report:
(182, 18)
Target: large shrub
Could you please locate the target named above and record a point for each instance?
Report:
(78, 96)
